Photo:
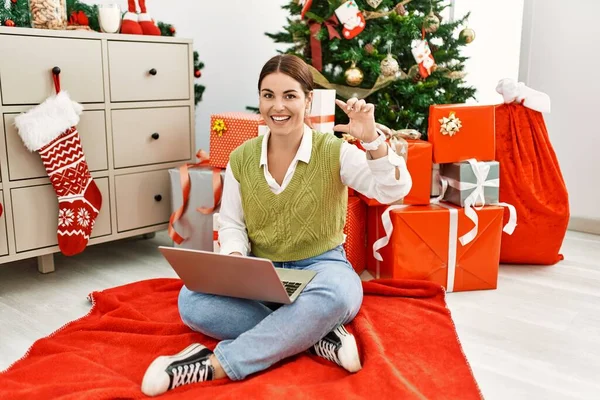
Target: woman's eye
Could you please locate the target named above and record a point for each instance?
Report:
(268, 95)
(291, 96)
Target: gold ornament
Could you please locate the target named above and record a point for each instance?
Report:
(354, 76)
(450, 125)
(389, 66)
(468, 34)
(431, 23)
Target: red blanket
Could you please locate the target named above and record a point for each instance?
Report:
(406, 337)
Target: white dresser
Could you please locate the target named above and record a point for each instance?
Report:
(138, 121)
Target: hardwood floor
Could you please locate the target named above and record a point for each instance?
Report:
(536, 337)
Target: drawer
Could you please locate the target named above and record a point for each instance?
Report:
(35, 213)
(132, 64)
(3, 236)
(143, 199)
(25, 165)
(151, 135)
(26, 68)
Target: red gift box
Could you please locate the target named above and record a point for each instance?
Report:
(228, 131)
(356, 235)
(425, 244)
(459, 132)
(419, 165)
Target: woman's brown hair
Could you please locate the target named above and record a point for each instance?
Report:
(292, 66)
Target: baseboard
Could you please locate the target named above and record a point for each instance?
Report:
(587, 225)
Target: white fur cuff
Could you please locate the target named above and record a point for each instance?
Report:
(129, 16)
(45, 122)
(144, 17)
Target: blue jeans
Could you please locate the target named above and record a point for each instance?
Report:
(254, 336)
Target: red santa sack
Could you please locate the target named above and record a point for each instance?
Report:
(530, 177)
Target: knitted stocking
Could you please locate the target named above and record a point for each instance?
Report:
(50, 129)
(147, 23)
(130, 23)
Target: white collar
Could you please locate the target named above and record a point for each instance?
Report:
(304, 151)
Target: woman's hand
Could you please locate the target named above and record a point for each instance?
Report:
(362, 119)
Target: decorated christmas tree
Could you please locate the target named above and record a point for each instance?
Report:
(401, 56)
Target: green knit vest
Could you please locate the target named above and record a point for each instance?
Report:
(308, 217)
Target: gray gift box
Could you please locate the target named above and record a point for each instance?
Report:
(196, 228)
(462, 172)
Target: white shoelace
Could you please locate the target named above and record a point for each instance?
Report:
(191, 373)
(326, 350)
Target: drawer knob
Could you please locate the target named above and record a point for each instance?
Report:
(155, 136)
(158, 197)
(152, 71)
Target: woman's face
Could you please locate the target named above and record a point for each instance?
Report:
(283, 103)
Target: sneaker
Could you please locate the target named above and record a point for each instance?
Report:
(191, 365)
(339, 346)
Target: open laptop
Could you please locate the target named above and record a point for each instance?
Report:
(236, 276)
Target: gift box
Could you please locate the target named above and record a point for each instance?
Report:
(417, 154)
(229, 130)
(355, 233)
(322, 111)
(471, 182)
(424, 244)
(459, 132)
(191, 224)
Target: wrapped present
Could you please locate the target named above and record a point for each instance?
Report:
(421, 242)
(229, 130)
(355, 232)
(196, 194)
(471, 182)
(417, 154)
(322, 110)
(459, 132)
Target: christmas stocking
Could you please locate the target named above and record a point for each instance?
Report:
(130, 23)
(50, 129)
(147, 24)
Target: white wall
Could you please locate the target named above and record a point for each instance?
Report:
(229, 37)
(552, 39)
(495, 52)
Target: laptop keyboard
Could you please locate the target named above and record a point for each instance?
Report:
(291, 287)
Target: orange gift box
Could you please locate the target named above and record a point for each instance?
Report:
(356, 235)
(424, 245)
(459, 132)
(228, 131)
(419, 166)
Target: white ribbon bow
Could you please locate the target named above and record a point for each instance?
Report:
(7, 4)
(476, 200)
(517, 92)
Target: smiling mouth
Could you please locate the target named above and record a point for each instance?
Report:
(280, 118)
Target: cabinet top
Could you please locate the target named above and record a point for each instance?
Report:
(75, 34)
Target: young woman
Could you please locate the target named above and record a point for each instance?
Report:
(284, 198)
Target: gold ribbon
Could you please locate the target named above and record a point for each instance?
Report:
(348, 91)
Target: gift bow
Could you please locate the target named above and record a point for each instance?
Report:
(184, 179)
(315, 44)
(476, 200)
(517, 92)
